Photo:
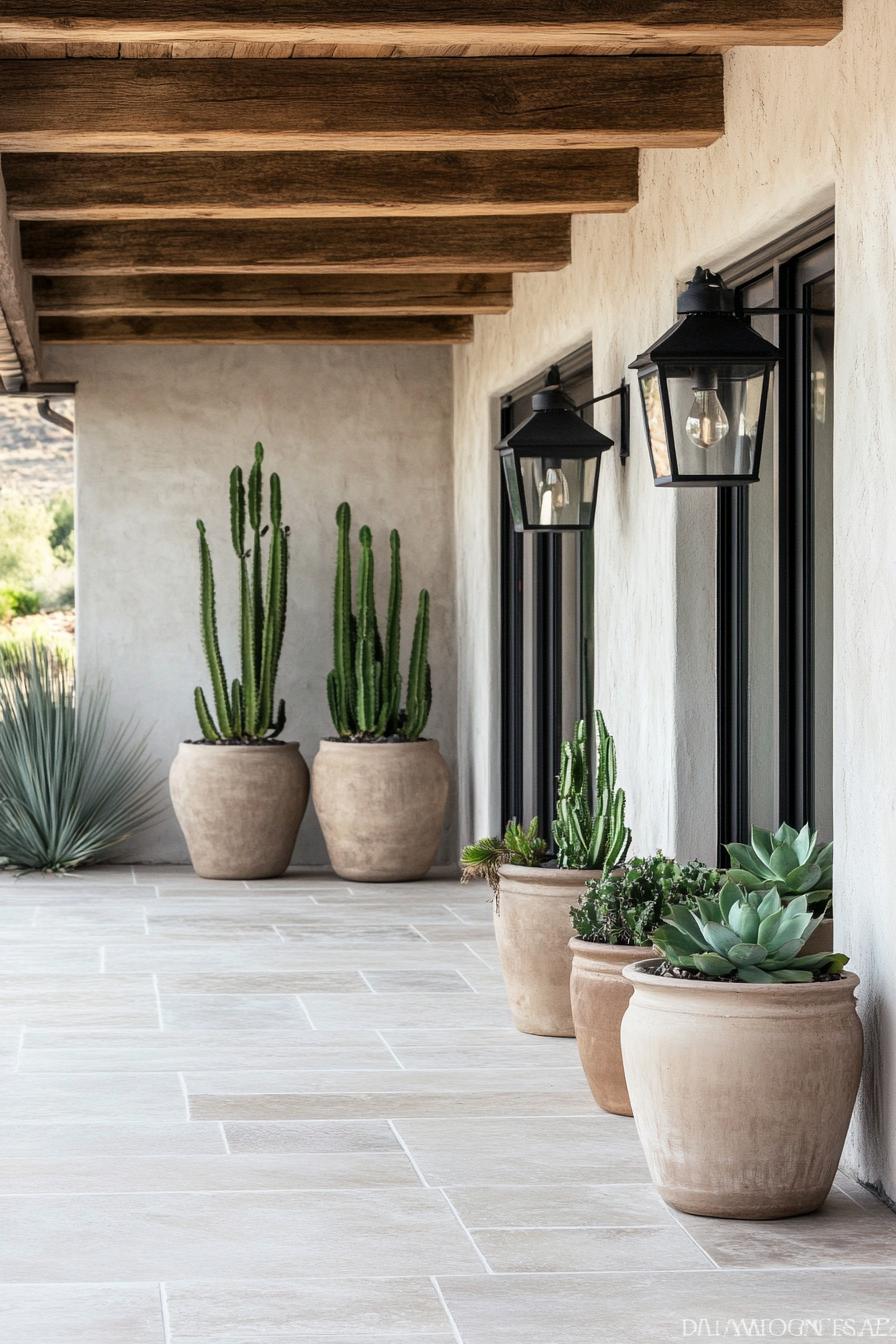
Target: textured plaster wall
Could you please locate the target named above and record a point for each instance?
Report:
(158, 429)
(805, 129)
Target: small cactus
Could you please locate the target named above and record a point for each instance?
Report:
(364, 687)
(244, 711)
(589, 832)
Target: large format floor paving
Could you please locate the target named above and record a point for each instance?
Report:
(297, 1113)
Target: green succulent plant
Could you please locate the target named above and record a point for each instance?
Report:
(752, 936)
(589, 826)
(519, 844)
(793, 862)
(624, 907)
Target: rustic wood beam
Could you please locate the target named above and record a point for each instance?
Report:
(579, 102)
(267, 295)
(325, 185)
(19, 346)
(271, 330)
(625, 23)
(298, 247)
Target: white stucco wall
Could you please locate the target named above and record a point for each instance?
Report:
(806, 129)
(158, 429)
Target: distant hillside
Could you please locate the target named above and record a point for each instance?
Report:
(35, 457)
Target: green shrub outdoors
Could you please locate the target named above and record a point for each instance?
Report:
(626, 905)
(36, 554)
(72, 786)
(519, 844)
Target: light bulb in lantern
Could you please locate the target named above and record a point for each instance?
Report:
(707, 423)
(553, 493)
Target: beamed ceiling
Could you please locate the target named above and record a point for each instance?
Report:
(332, 170)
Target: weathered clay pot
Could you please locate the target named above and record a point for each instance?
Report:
(742, 1094)
(239, 807)
(600, 996)
(820, 940)
(532, 928)
(381, 807)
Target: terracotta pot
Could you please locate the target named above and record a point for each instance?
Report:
(821, 939)
(381, 807)
(239, 807)
(742, 1094)
(600, 996)
(532, 928)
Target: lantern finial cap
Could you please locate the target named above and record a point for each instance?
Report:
(706, 293)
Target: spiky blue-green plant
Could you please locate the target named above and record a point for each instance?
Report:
(244, 709)
(72, 785)
(745, 935)
(791, 861)
(589, 825)
(364, 686)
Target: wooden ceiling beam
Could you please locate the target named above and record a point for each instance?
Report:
(270, 330)
(323, 185)
(19, 344)
(579, 102)
(300, 247)
(268, 295)
(618, 23)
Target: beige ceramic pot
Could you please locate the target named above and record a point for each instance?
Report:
(742, 1094)
(600, 996)
(821, 939)
(381, 807)
(239, 807)
(532, 928)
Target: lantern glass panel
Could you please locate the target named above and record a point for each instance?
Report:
(716, 428)
(558, 491)
(651, 395)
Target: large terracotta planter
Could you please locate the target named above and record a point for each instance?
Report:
(381, 807)
(742, 1094)
(239, 807)
(600, 995)
(532, 928)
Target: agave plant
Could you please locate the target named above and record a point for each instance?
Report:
(745, 935)
(519, 845)
(793, 862)
(71, 786)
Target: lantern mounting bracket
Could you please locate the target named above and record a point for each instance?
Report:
(622, 392)
(786, 312)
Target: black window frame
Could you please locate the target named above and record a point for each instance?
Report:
(779, 263)
(547, 573)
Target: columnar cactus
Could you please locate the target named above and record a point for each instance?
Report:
(245, 709)
(364, 687)
(589, 832)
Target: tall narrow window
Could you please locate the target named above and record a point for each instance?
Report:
(547, 623)
(775, 570)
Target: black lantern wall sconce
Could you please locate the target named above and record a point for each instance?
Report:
(551, 461)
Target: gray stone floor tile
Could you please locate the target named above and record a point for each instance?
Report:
(221, 1012)
(348, 935)
(79, 1000)
(277, 982)
(312, 1136)
(587, 1249)
(559, 1206)
(133, 1238)
(385, 1011)
(105, 1174)
(369, 1095)
(173, 957)
(81, 1313)
(178, 1049)
(69, 958)
(843, 1233)
(91, 1096)
(23, 1142)
(649, 1307)
(337, 1309)
(401, 981)
(498, 1047)
(598, 1148)
(10, 1042)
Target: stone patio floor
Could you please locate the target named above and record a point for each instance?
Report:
(296, 1112)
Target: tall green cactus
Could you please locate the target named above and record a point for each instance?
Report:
(245, 711)
(589, 825)
(364, 687)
